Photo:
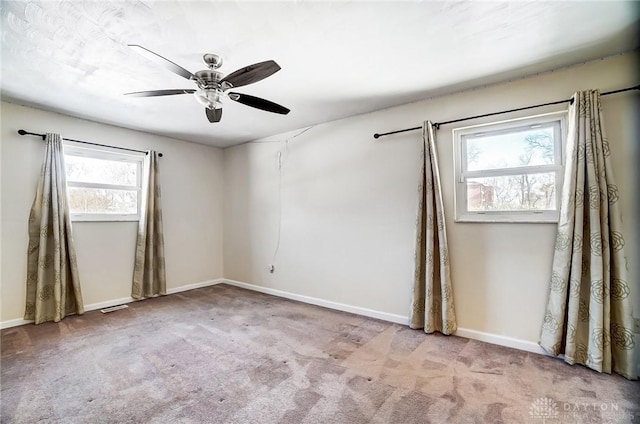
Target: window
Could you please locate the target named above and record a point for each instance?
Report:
(103, 185)
(510, 171)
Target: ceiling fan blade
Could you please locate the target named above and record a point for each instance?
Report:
(252, 73)
(163, 61)
(258, 103)
(213, 115)
(154, 93)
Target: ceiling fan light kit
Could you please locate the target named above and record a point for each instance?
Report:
(213, 85)
(209, 98)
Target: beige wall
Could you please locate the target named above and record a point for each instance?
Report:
(348, 207)
(192, 181)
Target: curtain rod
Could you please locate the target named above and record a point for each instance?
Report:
(23, 132)
(438, 124)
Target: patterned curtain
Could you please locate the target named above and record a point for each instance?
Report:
(149, 272)
(432, 304)
(53, 286)
(588, 316)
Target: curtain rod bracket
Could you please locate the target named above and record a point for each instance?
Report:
(23, 132)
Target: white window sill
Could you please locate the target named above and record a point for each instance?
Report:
(103, 218)
(493, 218)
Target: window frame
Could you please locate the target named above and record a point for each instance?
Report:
(74, 149)
(461, 173)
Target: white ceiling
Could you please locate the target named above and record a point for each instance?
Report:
(338, 58)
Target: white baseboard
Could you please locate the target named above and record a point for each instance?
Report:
(123, 300)
(385, 316)
(114, 302)
(398, 319)
(108, 303)
(196, 285)
(501, 340)
(14, 323)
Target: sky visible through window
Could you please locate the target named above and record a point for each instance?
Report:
(99, 186)
(519, 148)
(93, 170)
(528, 147)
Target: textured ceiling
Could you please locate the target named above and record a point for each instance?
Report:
(338, 58)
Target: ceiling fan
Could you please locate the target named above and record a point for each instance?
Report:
(213, 85)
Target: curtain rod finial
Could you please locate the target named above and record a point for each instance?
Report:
(22, 132)
(376, 135)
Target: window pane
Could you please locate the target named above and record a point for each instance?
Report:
(520, 147)
(512, 193)
(92, 170)
(99, 200)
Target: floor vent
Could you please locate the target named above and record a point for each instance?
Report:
(113, 308)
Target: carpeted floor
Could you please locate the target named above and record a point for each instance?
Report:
(226, 355)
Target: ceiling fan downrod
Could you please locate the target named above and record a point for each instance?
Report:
(213, 61)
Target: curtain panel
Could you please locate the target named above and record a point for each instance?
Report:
(53, 284)
(432, 305)
(149, 277)
(589, 312)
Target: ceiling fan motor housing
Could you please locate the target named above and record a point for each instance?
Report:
(209, 78)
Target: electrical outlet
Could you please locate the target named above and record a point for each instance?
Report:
(636, 325)
(272, 268)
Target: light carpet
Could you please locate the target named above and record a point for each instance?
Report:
(221, 354)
